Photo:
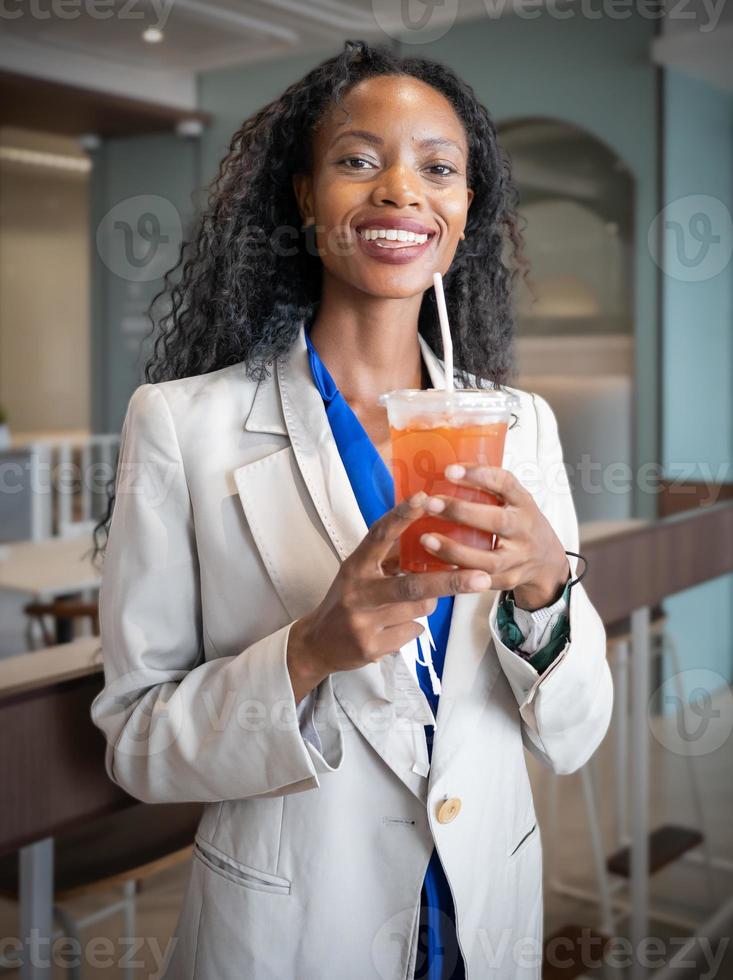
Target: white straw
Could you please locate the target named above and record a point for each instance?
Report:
(445, 331)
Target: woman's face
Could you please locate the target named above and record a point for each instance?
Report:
(388, 192)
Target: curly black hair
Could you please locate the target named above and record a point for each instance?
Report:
(250, 276)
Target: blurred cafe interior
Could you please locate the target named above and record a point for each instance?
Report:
(618, 121)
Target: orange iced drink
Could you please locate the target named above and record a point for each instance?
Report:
(430, 430)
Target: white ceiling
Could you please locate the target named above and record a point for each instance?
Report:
(204, 34)
(98, 43)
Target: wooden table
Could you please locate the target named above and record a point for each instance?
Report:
(26, 672)
(47, 570)
(595, 530)
(51, 437)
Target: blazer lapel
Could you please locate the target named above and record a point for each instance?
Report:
(305, 520)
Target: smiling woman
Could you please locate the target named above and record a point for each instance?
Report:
(368, 811)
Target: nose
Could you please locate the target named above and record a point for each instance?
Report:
(398, 187)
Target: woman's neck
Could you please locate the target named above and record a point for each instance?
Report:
(368, 344)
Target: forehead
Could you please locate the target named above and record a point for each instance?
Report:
(393, 104)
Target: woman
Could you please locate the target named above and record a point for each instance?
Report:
(358, 824)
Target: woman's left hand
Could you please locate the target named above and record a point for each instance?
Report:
(528, 558)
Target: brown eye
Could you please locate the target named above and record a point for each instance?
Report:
(353, 163)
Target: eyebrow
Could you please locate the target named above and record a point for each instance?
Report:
(368, 137)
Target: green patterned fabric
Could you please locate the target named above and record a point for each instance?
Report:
(512, 636)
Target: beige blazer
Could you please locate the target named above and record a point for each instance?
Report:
(232, 516)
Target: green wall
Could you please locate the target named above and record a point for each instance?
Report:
(697, 364)
(141, 202)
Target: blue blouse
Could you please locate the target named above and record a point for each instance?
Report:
(438, 954)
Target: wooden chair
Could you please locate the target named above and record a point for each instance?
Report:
(117, 851)
(64, 613)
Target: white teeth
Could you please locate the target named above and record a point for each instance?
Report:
(393, 235)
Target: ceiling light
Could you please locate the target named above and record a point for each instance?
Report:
(90, 142)
(189, 128)
(152, 35)
(39, 158)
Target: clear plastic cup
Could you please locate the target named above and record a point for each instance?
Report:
(429, 431)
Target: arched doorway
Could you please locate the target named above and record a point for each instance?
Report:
(575, 323)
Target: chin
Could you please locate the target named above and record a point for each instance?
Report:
(396, 287)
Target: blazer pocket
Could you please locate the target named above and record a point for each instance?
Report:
(523, 841)
(240, 874)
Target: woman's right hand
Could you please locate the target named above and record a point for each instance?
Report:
(368, 612)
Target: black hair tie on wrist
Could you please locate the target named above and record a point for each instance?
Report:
(585, 567)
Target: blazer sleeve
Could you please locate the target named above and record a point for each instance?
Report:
(566, 710)
(179, 727)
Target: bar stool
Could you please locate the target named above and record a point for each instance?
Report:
(668, 842)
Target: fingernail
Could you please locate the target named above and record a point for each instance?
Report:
(480, 581)
(435, 505)
(455, 472)
(418, 499)
(428, 541)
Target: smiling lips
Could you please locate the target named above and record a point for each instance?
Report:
(398, 242)
(393, 237)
